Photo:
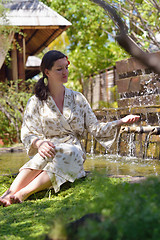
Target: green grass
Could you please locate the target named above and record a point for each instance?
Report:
(129, 211)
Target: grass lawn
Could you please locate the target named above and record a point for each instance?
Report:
(127, 211)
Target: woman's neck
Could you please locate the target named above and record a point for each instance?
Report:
(57, 92)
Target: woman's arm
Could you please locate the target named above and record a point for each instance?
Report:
(129, 119)
(105, 133)
(31, 127)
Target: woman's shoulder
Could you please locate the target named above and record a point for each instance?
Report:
(33, 106)
(33, 100)
(77, 95)
(78, 98)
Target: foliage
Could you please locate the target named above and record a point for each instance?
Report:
(90, 48)
(129, 211)
(6, 33)
(104, 104)
(60, 43)
(3, 17)
(113, 102)
(12, 104)
(143, 20)
(91, 45)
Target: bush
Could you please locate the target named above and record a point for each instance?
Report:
(14, 97)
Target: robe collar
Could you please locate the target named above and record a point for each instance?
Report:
(67, 105)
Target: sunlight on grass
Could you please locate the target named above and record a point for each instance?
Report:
(125, 210)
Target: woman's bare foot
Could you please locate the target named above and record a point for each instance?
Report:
(5, 199)
(14, 199)
(9, 198)
(18, 197)
(4, 202)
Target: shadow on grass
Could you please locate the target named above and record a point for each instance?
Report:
(123, 211)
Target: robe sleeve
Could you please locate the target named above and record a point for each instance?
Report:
(31, 127)
(105, 133)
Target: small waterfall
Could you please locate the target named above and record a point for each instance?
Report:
(131, 145)
(158, 117)
(92, 145)
(147, 123)
(146, 144)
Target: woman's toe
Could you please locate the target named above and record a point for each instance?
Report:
(15, 199)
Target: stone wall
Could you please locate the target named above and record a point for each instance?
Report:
(139, 93)
(141, 145)
(137, 85)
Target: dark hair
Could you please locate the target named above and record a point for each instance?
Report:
(48, 60)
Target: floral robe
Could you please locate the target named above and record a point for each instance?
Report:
(43, 119)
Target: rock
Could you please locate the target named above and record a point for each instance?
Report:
(12, 149)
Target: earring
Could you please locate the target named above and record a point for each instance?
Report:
(45, 81)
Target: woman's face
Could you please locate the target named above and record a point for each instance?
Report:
(59, 72)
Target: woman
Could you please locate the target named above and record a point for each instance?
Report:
(54, 121)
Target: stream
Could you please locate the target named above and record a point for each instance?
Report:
(110, 164)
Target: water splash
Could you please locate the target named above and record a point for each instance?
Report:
(158, 117)
(92, 145)
(146, 144)
(146, 120)
(131, 145)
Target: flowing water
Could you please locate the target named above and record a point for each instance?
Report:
(111, 164)
(11, 162)
(118, 165)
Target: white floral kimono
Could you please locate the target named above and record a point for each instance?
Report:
(43, 119)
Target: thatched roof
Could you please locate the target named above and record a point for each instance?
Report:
(33, 13)
(40, 23)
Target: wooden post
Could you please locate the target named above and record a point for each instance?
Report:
(20, 58)
(14, 62)
(91, 82)
(107, 93)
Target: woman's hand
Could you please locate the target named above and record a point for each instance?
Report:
(129, 119)
(45, 148)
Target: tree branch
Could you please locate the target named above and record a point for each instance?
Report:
(150, 60)
(8, 115)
